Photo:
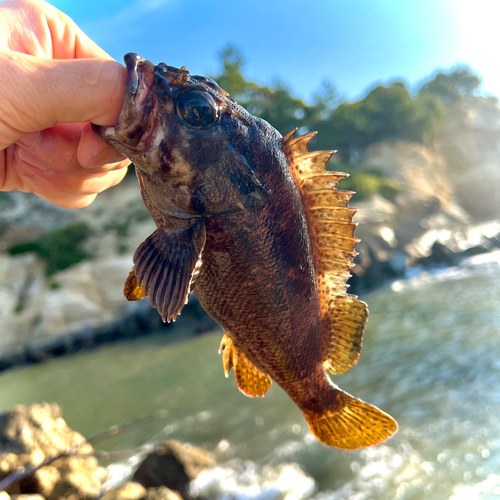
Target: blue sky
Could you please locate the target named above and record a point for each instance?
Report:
(352, 43)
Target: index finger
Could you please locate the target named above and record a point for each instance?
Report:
(37, 28)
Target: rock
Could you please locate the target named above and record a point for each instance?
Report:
(39, 428)
(31, 434)
(128, 491)
(135, 491)
(32, 496)
(174, 465)
(162, 493)
(420, 170)
(470, 143)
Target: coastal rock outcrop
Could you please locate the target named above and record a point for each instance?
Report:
(42, 458)
(63, 462)
(173, 464)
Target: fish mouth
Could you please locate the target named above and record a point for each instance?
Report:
(137, 103)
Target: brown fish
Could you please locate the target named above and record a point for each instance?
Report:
(255, 226)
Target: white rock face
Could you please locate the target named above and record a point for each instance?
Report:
(461, 168)
(420, 170)
(471, 145)
(35, 308)
(22, 288)
(90, 294)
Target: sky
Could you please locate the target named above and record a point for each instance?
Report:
(353, 44)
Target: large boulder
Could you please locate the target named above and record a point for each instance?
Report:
(173, 464)
(32, 435)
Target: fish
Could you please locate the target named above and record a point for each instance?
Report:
(255, 226)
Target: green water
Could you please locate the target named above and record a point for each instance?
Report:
(431, 358)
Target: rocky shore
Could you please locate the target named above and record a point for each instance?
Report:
(41, 457)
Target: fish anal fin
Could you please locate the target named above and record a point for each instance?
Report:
(344, 320)
(132, 290)
(166, 264)
(351, 424)
(250, 380)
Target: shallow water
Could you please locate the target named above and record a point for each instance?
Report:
(431, 358)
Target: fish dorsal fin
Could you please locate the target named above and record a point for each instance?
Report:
(331, 231)
(250, 380)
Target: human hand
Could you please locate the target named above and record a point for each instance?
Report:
(54, 81)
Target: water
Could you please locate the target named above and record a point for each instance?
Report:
(431, 358)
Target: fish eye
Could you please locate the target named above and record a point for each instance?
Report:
(197, 109)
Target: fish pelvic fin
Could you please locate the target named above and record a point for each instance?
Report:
(351, 424)
(250, 380)
(165, 266)
(132, 290)
(344, 326)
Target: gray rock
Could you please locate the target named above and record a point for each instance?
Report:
(173, 464)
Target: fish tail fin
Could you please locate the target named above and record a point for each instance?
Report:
(351, 423)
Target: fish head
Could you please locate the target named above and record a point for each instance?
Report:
(188, 140)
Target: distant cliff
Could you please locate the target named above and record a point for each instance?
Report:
(461, 167)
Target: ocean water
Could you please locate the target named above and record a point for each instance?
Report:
(431, 358)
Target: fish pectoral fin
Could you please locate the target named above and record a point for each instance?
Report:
(343, 328)
(132, 290)
(166, 264)
(351, 424)
(250, 380)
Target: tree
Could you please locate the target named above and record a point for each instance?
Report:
(274, 104)
(451, 86)
(386, 113)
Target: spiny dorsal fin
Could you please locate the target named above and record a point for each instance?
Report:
(250, 380)
(296, 146)
(331, 231)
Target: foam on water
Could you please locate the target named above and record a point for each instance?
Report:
(245, 480)
(485, 490)
(121, 471)
(477, 264)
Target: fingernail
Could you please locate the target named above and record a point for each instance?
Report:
(30, 141)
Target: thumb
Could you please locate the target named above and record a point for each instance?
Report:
(37, 93)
